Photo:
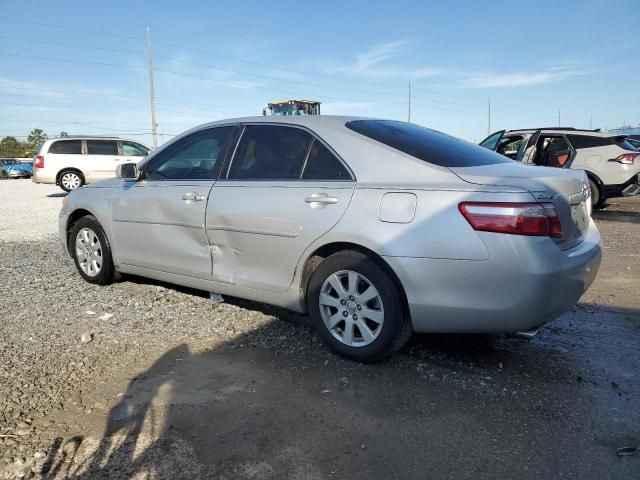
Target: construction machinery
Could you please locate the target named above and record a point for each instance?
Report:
(293, 107)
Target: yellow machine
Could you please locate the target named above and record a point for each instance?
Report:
(293, 107)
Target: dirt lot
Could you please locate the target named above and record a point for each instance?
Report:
(170, 385)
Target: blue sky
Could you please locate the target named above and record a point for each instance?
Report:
(81, 66)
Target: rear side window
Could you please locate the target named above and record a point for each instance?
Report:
(323, 165)
(270, 152)
(66, 147)
(102, 147)
(589, 141)
(427, 145)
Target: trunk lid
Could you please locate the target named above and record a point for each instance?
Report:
(568, 190)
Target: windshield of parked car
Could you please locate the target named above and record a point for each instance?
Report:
(425, 144)
(8, 161)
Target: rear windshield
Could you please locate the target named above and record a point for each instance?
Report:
(425, 144)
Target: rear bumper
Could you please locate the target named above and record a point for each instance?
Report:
(42, 177)
(627, 189)
(18, 174)
(526, 282)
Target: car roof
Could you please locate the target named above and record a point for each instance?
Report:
(565, 130)
(305, 120)
(85, 137)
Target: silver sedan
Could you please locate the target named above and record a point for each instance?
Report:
(376, 228)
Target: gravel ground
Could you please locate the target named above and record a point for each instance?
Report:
(36, 211)
(146, 380)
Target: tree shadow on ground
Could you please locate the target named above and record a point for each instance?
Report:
(264, 405)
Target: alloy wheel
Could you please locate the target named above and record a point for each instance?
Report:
(70, 180)
(351, 308)
(89, 252)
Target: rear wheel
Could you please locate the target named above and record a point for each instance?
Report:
(597, 199)
(91, 251)
(356, 307)
(70, 180)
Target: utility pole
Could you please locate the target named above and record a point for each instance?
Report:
(489, 116)
(154, 124)
(558, 118)
(590, 121)
(409, 109)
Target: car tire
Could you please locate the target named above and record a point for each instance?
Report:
(597, 198)
(91, 251)
(358, 323)
(70, 180)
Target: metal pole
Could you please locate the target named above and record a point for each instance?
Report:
(154, 124)
(409, 111)
(489, 116)
(590, 122)
(558, 118)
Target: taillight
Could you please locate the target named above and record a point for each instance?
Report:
(625, 158)
(39, 163)
(540, 219)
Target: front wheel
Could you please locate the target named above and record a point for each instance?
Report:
(91, 251)
(356, 307)
(70, 180)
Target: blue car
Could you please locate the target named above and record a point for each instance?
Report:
(11, 168)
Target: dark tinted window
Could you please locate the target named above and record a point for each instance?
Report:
(270, 152)
(323, 165)
(196, 157)
(67, 147)
(589, 141)
(102, 147)
(425, 144)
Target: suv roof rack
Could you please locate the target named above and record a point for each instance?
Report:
(557, 128)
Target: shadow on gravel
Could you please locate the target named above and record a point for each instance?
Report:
(57, 195)
(616, 216)
(268, 406)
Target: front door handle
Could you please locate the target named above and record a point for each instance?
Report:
(191, 197)
(318, 200)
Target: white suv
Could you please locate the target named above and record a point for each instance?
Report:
(609, 160)
(74, 161)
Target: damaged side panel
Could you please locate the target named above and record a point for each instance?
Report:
(160, 225)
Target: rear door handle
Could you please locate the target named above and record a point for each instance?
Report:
(191, 197)
(320, 200)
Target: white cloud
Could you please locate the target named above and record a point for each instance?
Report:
(524, 79)
(379, 62)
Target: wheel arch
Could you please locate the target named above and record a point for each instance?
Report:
(316, 257)
(72, 219)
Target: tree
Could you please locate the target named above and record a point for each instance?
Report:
(11, 147)
(36, 137)
(63, 134)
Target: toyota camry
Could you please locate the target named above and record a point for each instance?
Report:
(376, 228)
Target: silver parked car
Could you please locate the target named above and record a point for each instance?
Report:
(376, 228)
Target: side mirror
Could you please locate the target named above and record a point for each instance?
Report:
(128, 171)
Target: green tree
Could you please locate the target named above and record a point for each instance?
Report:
(36, 138)
(63, 134)
(10, 147)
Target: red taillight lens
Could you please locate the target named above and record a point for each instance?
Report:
(514, 218)
(625, 158)
(39, 163)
